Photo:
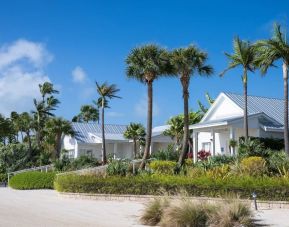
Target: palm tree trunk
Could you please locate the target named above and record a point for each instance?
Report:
(29, 144)
(185, 84)
(149, 124)
(285, 78)
(103, 148)
(58, 145)
(134, 148)
(246, 130)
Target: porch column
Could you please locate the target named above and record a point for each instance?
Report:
(213, 142)
(114, 150)
(195, 144)
(232, 137)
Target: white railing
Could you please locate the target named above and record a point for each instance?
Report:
(39, 168)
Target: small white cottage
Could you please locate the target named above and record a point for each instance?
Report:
(224, 121)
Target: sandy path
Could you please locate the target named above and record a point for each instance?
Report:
(47, 208)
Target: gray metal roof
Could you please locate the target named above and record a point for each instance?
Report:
(83, 131)
(272, 107)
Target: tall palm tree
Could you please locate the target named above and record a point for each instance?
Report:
(89, 113)
(47, 89)
(188, 62)
(146, 64)
(135, 132)
(270, 51)
(56, 128)
(26, 124)
(244, 56)
(105, 92)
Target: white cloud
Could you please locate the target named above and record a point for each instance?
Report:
(141, 108)
(78, 74)
(21, 70)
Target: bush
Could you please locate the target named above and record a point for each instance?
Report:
(203, 155)
(276, 161)
(118, 167)
(186, 213)
(153, 212)
(168, 154)
(163, 167)
(32, 180)
(254, 166)
(219, 160)
(3, 177)
(66, 164)
(270, 188)
(251, 147)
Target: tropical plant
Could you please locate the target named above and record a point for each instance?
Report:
(245, 56)
(47, 89)
(135, 132)
(88, 113)
(146, 64)
(187, 62)
(168, 154)
(56, 128)
(105, 92)
(269, 52)
(202, 108)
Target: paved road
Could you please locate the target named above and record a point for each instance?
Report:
(47, 208)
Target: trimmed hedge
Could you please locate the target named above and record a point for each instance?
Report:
(32, 180)
(266, 188)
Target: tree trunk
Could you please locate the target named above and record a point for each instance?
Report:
(58, 145)
(134, 148)
(246, 130)
(103, 148)
(29, 145)
(149, 124)
(185, 84)
(285, 78)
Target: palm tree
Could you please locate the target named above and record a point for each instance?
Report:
(87, 113)
(188, 62)
(56, 128)
(270, 51)
(176, 130)
(135, 132)
(245, 56)
(26, 124)
(146, 64)
(105, 92)
(47, 89)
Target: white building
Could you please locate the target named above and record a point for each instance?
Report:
(224, 121)
(88, 141)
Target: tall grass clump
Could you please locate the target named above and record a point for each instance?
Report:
(153, 211)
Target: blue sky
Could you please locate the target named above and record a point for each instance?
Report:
(75, 43)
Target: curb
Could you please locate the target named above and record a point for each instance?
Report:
(144, 198)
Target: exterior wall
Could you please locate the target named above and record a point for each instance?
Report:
(225, 108)
(156, 146)
(276, 135)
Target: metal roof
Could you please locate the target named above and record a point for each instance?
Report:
(272, 107)
(84, 132)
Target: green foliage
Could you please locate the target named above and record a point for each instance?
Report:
(3, 177)
(251, 147)
(253, 166)
(168, 154)
(66, 164)
(277, 160)
(117, 167)
(163, 167)
(222, 159)
(267, 188)
(32, 180)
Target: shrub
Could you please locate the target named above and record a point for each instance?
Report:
(232, 213)
(276, 161)
(219, 172)
(66, 164)
(253, 166)
(3, 177)
(117, 167)
(168, 154)
(251, 147)
(219, 160)
(203, 155)
(153, 211)
(163, 167)
(32, 180)
(270, 188)
(186, 213)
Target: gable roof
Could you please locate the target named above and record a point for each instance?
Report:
(84, 132)
(272, 107)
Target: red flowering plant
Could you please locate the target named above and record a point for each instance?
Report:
(203, 155)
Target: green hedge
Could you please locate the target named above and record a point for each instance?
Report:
(266, 188)
(32, 180)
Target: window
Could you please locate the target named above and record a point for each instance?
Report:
(206, 146)
(89, 153)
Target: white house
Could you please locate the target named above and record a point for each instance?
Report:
(224, 121)
(88, 141)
